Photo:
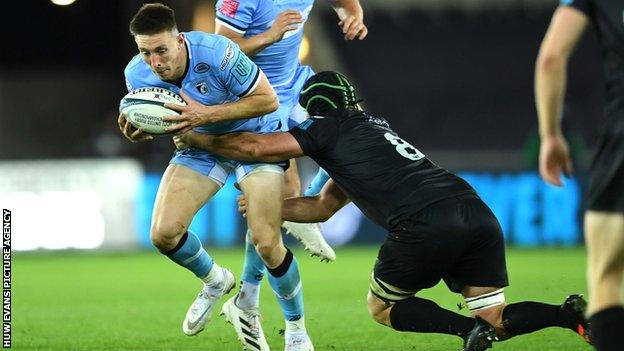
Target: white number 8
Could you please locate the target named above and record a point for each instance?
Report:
(404, 148)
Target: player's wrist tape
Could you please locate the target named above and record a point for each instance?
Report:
(484, 301)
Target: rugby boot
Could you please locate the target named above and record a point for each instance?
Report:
(481, 337)
(200, 311)
(309, 234)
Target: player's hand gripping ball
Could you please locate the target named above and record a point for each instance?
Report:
(144, 108)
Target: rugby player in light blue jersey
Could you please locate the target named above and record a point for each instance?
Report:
(225, 92)
(271, 32)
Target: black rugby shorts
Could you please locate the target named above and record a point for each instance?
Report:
(606, 175)
(457, 239)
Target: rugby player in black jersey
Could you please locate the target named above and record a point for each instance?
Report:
(438, 227)
(604, 216)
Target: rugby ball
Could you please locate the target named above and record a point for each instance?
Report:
(144, 108)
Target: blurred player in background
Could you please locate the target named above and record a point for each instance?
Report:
(438, 227)
(224, 91)
(604, 217)
(270, 33)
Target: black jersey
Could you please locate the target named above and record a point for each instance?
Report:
(388, 179)
(607, 18)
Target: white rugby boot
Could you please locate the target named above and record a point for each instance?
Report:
(299, 341)
(200, 311)
(309, 234)
(246, 323)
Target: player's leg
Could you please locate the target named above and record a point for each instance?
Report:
(522, 317)
(317, 183)
(481, 276)
(404, 267)
(418, 315)
(292, 183)
(604, 232)
(309, 234)
(253, 272)
(263, 190)
(181, 193)
(413, 258)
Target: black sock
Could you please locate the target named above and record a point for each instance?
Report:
(606, 329)
(283, 267)
(425, 316)
(527, 317)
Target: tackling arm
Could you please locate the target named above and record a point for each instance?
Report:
(313, 209)
(245, 146)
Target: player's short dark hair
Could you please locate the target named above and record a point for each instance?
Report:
(152, 19)
(326, 91)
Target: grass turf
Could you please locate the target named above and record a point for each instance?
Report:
(137, 301)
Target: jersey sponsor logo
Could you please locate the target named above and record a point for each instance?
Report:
(242, 69)
(229, 55)
(202, 87)
(229, 8)
(404, 148)
(378, 121)
(201, 67)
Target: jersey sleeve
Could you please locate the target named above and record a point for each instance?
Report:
(581, 5)
(316, 135)
(235, 14)
(238, 74)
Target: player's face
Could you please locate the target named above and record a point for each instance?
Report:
(164, 53)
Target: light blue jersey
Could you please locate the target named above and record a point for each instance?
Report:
(280, 60)
(217, 73)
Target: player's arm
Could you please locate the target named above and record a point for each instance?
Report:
(271, 147)
(259, 101)
(314, 209)
(309, 209)
(564, 32)
(284, 22)
(351, 18)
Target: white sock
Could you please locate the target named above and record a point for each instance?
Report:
(214, 277)
(248, 296)
(297, 326)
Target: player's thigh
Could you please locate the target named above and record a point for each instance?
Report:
(604, 233)
(402, 269)
(263, 189)
(181, 193)
(606, 174)
(482, 262)
(292, 183)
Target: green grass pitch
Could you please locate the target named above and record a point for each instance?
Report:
(137, 301)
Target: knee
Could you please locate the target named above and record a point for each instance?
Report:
(380, 316)
(379, 310)
(266, 245)
(165, 236)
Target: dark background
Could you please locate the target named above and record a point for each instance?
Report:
(447, 80)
